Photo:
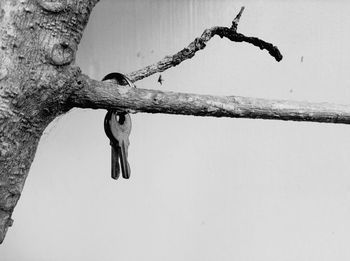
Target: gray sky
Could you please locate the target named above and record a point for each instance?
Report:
(200, 188)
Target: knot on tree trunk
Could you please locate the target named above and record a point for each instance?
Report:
(54, 6)
(62, 53)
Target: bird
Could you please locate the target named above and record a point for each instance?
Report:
(160, 79)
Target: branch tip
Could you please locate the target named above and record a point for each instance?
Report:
(199, 43)
(237, 18)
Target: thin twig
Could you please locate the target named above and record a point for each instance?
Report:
(200, 43)
(237, 18)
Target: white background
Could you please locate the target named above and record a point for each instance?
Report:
(200, 188)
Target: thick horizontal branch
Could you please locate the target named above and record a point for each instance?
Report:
(200, 43)
(107, 95)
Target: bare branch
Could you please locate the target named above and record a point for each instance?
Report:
(104, 95)
(199, 43)
(236, 20)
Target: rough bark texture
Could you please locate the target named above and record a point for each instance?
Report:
(39, 81)
(38, 43)
(101, 95)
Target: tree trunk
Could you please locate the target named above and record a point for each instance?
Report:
(39, 40)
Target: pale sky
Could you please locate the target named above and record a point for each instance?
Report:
(200, 188)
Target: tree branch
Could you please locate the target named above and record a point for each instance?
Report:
(103, 95)
(200, 43)
(107, 95)
(237, 18)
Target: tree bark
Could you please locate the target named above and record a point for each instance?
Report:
(39, 81)
(102, 95)
(38, 42)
